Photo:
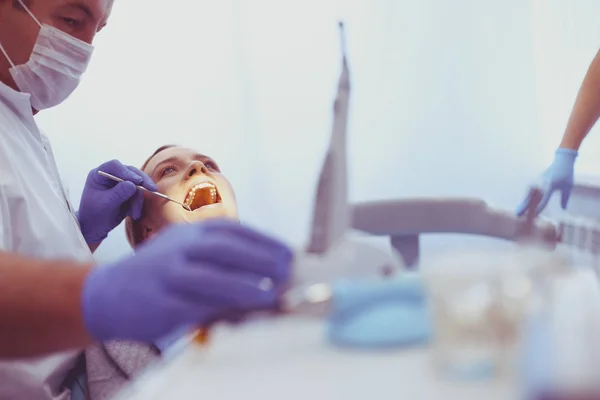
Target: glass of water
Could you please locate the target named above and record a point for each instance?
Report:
(478, 303)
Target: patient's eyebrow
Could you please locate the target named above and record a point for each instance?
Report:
(170, 160)
(176, 160)
(202, 158)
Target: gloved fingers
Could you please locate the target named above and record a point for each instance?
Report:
(546, 194)
(183, 312)
(234, 228)
(233, 232)
(116, 168)
(231, 250)
(564, 198)
(521, 208)
(156, 321)
(136, 205)
(231, 290)
(122, 192)
(147, 182)
(547, 191)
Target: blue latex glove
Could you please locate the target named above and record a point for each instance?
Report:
(184, 276)
(379, 313)
(105, 203)
(559, 176)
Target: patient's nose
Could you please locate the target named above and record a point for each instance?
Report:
(196, 168)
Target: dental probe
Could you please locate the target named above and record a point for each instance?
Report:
(162, 196)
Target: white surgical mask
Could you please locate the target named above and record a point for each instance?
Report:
(54, 68)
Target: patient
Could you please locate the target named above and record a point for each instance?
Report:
(186, 176)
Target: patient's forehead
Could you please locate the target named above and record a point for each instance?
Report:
(174, 154)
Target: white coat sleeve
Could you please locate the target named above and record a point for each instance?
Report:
(5, 227)
(7, 179)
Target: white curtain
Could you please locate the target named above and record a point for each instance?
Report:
(461, 98)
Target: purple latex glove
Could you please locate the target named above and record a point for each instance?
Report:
(184, 276)
(165, 342)
(105, 203)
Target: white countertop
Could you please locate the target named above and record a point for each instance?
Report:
(289, 358)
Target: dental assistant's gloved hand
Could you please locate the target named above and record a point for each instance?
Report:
(558, 177)
(105, 203)
(185, 276)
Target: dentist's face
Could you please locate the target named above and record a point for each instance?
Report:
(189, 177)
(82, 19)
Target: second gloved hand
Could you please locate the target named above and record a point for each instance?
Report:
(185, 276)
(105, 203)
(558, 177)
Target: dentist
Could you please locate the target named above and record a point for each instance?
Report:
(586, 111)
(53, 299)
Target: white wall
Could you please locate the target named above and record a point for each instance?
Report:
(449, 98)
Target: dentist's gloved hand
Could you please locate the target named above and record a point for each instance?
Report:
(184, 276)
(105, 203)
(558, 177)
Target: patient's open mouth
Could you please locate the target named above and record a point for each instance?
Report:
(202, 194)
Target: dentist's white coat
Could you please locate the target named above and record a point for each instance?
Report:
(36, 220)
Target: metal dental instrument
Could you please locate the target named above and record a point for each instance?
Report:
(312, 300)
(162, 196)
(331, 215)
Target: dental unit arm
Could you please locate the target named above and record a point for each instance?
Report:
(404, 220)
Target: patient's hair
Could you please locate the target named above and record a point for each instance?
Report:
(133, 229)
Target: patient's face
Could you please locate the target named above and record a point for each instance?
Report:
(193, 179)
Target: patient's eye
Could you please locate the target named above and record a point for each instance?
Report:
(169, 169)
(211, 165)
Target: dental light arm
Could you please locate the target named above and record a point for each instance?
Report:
(404, 220)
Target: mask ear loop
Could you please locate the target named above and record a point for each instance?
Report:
(29, 12)
(6, 55)
(12, 64)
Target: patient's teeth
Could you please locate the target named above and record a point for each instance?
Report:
(211, 193)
